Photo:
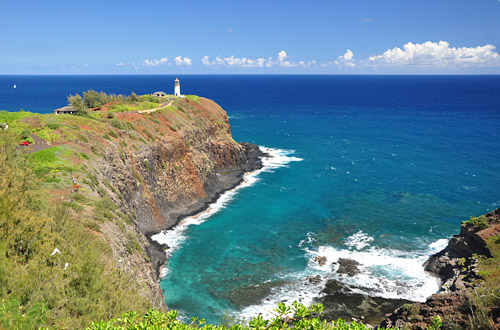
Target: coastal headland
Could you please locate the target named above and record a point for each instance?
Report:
(121, 176)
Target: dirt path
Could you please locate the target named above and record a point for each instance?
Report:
(163, 106)
(38, 144)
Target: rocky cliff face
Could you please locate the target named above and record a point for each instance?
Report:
(460, 303)
(172, 164)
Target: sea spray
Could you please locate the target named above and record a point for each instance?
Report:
(383, 272)
(174, 237)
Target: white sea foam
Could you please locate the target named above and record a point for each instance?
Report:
(298, 289)
(273, 159)
(383, 272)
(308, 240)
(358, 240)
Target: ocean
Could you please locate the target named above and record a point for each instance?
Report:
(378, 169)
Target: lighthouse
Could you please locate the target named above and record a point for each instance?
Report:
(177, 88)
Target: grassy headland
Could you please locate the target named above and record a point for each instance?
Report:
(41, 213)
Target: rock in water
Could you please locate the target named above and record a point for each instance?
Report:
(340, 301)
(321, 260)
(348, 267)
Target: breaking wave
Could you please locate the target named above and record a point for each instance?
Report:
(383, 272)
(271, 160)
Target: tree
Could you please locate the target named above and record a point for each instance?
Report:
(93, 99)
(77, 102)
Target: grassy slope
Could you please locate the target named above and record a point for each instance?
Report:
(485, 299)
(39, 212)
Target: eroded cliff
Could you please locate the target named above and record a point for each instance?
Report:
(172, 164)
(124, 175)
(469, 270)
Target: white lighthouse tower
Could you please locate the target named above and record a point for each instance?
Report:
(177, 88)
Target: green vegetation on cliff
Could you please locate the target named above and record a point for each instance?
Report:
(69, 258)
(53, 271)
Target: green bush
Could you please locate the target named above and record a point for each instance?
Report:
(133, 97)
(481, 222)
(297, 317)
(25, 133)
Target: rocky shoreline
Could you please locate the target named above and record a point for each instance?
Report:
(222, 181)
(457, 267)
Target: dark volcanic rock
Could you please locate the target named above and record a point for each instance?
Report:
(340, 301)
(314, 279)
(334, 286)
(252, 294)
(348, 267)
(456, 265)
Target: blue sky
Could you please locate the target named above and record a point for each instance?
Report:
(188, 36)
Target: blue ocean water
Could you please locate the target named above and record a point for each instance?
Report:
(379, 169)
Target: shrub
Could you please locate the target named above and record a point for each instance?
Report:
(297, 316)
(25, 133)
(133, 97)
(53, 125)
(117, 124)
(481, 222)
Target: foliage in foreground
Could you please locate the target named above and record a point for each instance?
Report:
(297, 316)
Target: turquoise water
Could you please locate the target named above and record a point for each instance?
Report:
(387, 173)
(379, 169)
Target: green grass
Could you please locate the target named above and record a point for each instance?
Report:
(194, 98)
(11, 117)
(133, 106)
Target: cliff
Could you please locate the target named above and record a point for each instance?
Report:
(126, 175)
(189, 159)
(469, 270)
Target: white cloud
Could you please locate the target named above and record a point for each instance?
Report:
(206, 60)
(155, 62)
(260, 62)
(348, 55)
(346, 60)
(438, 54)
(233, 61)
(282, 60)
(230, 30)
(179, 60)
(242, 62)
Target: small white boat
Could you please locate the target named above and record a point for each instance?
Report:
(15, 86)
